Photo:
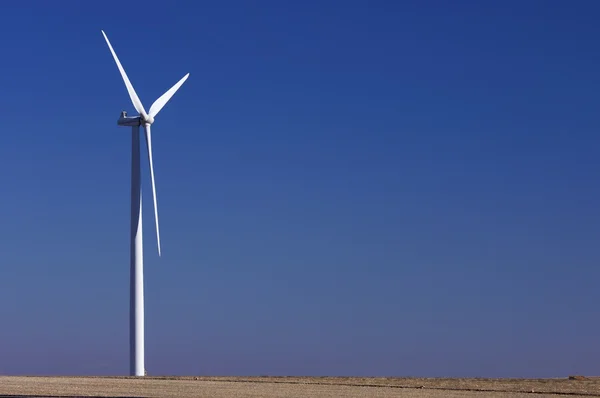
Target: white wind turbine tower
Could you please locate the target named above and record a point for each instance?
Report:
(136, 303)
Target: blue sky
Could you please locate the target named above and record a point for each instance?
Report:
(344, 188)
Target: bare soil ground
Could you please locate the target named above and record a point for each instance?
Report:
(183, 387)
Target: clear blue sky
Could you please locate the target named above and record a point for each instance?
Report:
(344, 187)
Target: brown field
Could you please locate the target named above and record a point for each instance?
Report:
(24, 386)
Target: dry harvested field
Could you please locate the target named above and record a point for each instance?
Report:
(183, 387)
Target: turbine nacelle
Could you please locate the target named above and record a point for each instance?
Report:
(139, 120)
(130, 121)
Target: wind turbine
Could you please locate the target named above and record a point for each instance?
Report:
(136, 297)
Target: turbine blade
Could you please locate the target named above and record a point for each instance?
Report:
(137, 104)
(163, 99)
(149, 146)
